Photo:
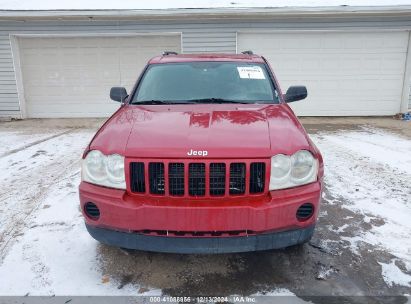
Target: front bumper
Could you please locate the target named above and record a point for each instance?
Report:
(203, 245)
(133, 221)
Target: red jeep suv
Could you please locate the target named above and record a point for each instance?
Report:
(203, 156)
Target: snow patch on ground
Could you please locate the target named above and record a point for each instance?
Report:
(11, 140)
(394, 276)
(324, 273)
(275, 292)
(45, 248)
(375, 145)
(56, 255)
(27, 174)
(282, 295)
(370, 171)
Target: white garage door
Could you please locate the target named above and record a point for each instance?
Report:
(346, 73)
(72, 77)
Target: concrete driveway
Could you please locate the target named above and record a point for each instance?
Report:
(362, 245)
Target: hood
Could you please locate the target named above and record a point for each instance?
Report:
(198, 131)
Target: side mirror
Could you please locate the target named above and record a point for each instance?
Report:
(295, 93)
(118, 94)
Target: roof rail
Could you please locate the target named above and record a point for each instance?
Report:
(166, 53)
(247, 52)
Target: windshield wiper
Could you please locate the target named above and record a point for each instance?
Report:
(216, 100)
(152, 102)
(202, 100)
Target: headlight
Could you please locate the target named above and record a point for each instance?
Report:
(115, 168)
(103, 170)
(303, 165)
(94, 166)
(289, 171)
(280, 166)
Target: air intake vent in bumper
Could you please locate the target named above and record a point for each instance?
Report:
(305, 211)
(92, 211)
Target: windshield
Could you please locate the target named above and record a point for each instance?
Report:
(206, 82)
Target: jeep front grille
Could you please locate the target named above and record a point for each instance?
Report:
(198, 179)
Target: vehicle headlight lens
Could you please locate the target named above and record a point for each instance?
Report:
(289, 171)
(303, 164)
(104, 170)
(95, 166)
(115, 168)
(280, 166)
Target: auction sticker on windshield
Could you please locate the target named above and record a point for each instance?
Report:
(251, 72)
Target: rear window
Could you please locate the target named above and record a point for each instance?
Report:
(225, 81)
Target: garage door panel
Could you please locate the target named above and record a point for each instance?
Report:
(75, 99)
(75, 73)
(52, 111)
(328, 41)
(373, 88)
(353, 73)
(346, 64)
(72, 77)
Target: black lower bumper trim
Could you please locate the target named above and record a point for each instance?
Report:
(257, 242)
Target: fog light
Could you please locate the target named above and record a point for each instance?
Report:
(92, 211)
(305, 211)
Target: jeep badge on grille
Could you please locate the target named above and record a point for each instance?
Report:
(199, 153)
